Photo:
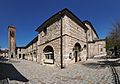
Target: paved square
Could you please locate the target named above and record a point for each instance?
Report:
(78, 73)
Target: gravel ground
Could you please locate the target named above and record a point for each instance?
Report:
(90, 72)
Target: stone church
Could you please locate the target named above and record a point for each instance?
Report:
(62, 39)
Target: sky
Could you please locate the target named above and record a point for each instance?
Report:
(28, 15)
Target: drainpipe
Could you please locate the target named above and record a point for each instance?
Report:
(61, 40)
(36, 51)
(87, 44)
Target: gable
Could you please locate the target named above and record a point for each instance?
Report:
(90, 26)
(58, 16)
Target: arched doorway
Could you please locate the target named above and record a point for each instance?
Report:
(23, 56)
(76, 51)
(12, 56)
(49, 55)
(19, 56)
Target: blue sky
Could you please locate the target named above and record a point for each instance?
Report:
(27, 15)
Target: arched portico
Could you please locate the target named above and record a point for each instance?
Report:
(48, 54)
(76, 52)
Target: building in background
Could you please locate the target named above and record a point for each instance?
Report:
(28, 52)
(3, 52)
(96, 46)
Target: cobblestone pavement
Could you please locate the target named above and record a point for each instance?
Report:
(92, 71)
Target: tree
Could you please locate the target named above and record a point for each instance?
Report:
(113, 39)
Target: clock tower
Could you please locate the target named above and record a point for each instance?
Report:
(12, 41)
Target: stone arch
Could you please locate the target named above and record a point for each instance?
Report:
(48, 54)
(76, 51)
(19, 56)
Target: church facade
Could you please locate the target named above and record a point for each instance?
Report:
(63, 39)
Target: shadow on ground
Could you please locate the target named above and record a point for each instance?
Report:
(9, 71)
(102, 64)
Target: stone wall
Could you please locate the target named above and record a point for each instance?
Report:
(51, 38)
(73, 29)
(21, 52)
(74, 33)
(97, 48)
(32, 51)
(56, 47)
(91, 34)
(53, 31)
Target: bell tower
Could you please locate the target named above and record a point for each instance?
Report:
(12, 41)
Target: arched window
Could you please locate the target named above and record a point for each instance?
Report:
(49, 54)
